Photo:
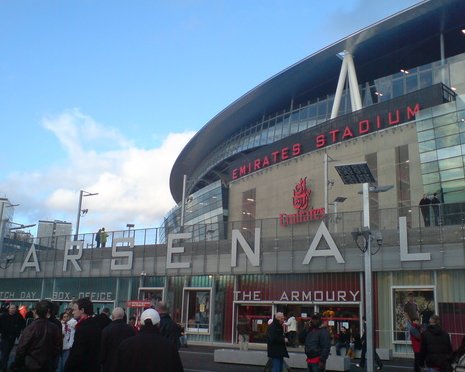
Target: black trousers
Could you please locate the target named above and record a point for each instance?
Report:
(363, 356)
(7, 346)
(416, 362)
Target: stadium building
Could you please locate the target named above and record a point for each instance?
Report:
(267, 212)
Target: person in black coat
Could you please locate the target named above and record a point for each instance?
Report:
(11, 325)
(424, 204)
(40, 343)
(103, 319)
(84, 354)
(149, 351)
(436, 348)
(112, 336)
(315, 336)
(168, 327)
(276, 344)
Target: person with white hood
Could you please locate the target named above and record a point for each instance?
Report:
(149, 351)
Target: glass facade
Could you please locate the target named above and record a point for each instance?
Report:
(441, 138)
(315, 111)
(204, 214)
(441, 144)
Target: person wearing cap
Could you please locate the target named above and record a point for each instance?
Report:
(315, 336)
(148, 351)
(276, 343)
(84, 354)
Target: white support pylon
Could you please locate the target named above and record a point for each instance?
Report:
(347, 68)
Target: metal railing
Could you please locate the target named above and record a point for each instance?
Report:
(450, 228)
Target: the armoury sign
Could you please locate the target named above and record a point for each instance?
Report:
(299, 296)
(122, 253)
(301, 203)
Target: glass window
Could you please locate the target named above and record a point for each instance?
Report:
(446, 130)
(447, 141)
(427, 146)
(411, 82)
(451, 163)
(424, 124)
(449, 152)
(428, 156)
(294, 127)
(432, 188)
(264, 137)
(278, 132)
(152, 294)
(430, 167)
(312, 111)
(445, 119)
(295, 116)
(452, 174)
(197, 310)
(426, 79)
(426, 135)
(430, 178)
(397, 87)
(322, 109)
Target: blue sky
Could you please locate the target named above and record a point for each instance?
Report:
(102, 95)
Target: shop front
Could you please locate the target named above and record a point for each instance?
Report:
(336, 296)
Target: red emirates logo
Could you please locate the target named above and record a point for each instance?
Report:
(301, 195)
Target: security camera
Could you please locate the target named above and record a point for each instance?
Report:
(10, 258)
(355, 234)
(378, 237)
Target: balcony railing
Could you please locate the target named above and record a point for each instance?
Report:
(450, 227)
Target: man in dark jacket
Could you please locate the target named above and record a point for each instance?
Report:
(424, 209)
(168, 326)
(112, 336)
(40, 343)
(84, 354)
(436, 348)
(149, 351)
(103, 319)
(315, 337)
(11, 325)
(276, 344)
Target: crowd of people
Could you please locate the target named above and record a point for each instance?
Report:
(82, 341)
(431, 344)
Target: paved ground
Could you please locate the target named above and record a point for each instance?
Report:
(200, 359)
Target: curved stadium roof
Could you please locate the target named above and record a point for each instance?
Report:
(405, 40)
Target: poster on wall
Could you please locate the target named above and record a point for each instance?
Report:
(411, 303)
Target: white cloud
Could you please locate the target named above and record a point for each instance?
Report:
(132, 183)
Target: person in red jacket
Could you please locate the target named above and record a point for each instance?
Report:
(414, 328)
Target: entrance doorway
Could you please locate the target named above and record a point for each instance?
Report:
(257, 316)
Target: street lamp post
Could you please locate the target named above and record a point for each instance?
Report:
(81, 195)
(356, 174)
